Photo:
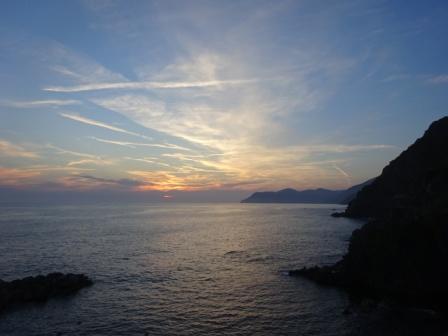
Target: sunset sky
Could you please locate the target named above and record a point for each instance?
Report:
(225, 96)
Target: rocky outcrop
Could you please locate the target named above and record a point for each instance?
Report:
(402, 252)
(40, 288)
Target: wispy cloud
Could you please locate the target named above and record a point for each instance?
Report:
(440, 79)
(335, 148)
(9, 149)
(148, 85)
(32, 176)
(97, 123)
(396, 77)
(76, 66)
(150, 160)
(83, 158)
(96, 182)
(46, 169)
(16, 176)
(97, 162)
(141, 144)
(183, 157)
(40, 103)
(69, 152)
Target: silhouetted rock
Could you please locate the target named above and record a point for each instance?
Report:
(307, 196)
(326, 275)
(40, 288)
(403, 251)
(338, 214)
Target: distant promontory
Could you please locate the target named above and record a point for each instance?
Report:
(307, 196)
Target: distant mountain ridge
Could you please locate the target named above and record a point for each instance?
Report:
(319, 195)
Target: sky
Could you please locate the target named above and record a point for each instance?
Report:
(213, 100)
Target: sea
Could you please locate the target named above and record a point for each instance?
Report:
(190, 269)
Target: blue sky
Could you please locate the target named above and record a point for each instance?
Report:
(201, 96)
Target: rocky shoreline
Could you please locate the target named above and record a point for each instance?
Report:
(40, 288)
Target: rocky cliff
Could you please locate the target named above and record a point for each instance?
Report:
(415, 179)
(402, 252)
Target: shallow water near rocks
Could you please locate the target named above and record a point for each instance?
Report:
(187, 269)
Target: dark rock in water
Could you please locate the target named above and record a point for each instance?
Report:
(402, 253)
(338, 214)
(40, 288)
(326, 275)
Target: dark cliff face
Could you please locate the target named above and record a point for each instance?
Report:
(403, 251)
(416, 178)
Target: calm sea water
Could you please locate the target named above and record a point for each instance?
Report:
(185, 269)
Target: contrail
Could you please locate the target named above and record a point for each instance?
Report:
(346, 176)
